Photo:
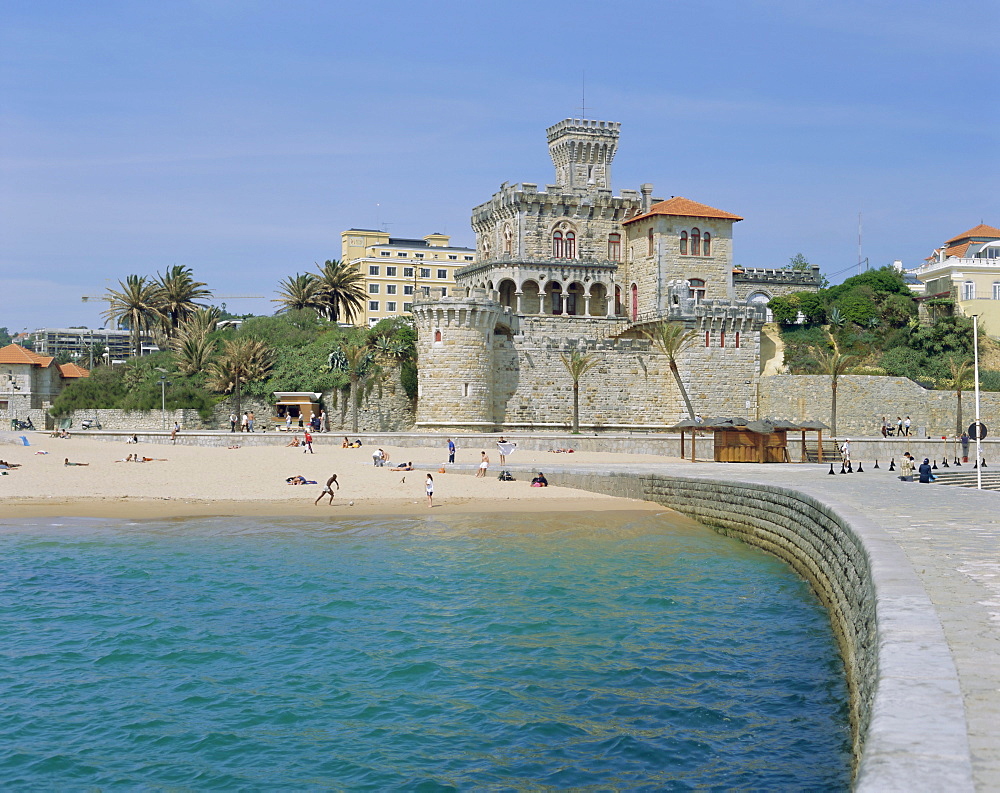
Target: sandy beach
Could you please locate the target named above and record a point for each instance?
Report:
(186, 480)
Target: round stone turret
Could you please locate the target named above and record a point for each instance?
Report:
(454, 347)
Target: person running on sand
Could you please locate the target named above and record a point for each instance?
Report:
(429, 489)
(483, 466)
(67, 462)
(328, 489)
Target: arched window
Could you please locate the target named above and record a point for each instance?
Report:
(508, 241)
(737, 340)
(969, 290)
(635, 302)
(695, 242)
(570, 245)
(437, 335)
(696, 289)
(615, 247)
(557, 245)
(684, 243)
(618, 301)
(706, 244)
(762, 299)
(708, 338)
(649, 244)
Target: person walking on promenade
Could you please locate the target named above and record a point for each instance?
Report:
(429, 489)
(307, 442)
(232, 422)
(899, 426)
(288, 422)
(451, 450)
(173, 433)
(483, 465)
(328, 489)
(906, 427)
(885, 428)
(243, 422)
(965, 447)
(845, 451)
(250, 420)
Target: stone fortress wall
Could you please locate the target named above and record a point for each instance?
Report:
(774, 282)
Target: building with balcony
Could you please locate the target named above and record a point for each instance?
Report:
(396, 268)
(81, 343)
(966, 271)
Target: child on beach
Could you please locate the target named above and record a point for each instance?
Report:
(429, 489)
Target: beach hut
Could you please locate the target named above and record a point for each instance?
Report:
(301, 406)
(740, 441)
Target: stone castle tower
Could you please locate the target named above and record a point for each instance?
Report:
(575, 266)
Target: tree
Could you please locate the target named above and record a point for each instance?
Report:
(784, 309)
(135, 306)
(299, 292)
(341, 291)
(960, 371)
(834, 363)
(798, 262)
(242, 360)
(176, 296)
(577, 364)
(356, 356)
(672, 339)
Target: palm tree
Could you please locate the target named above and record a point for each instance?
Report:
(135, 306)
(834, 363)
(242, 360)
(356, 355)
(177, 292)
(298, 292)
(191, 345)
(960, 371)
(672, 339)
(577, 364)
(341, 291)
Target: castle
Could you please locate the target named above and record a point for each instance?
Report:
(575, 266)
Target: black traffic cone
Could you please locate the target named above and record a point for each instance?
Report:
(984, 462)
(860, 469)
(958, 464)
(876, 463)
(934, 467)
(843, 470)
(974, 467)
(944, 462)
(850, 468)
(831, 472)
(892, 464)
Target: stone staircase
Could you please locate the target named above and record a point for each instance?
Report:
(966, 477)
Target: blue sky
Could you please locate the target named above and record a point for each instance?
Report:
(241, 138)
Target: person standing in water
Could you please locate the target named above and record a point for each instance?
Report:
(328, 489)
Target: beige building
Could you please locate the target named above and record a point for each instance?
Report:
(966, 270)
(396, 268)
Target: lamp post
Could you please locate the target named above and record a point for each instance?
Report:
(979, 431)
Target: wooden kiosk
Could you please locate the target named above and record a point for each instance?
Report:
(300, 405)
(752, 442)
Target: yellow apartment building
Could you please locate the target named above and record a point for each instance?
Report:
(396, 268)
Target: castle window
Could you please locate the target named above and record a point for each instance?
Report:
(737, 340)
(696, 289)
(615, 247)
(708, 338)
(649, 243)
(465, 389)
(557, 245)
(437, 335)
(695, 242)
(969, 290)
(684, 243)
(570, 245)
(722, 338)
(706, 244)
(635, 302)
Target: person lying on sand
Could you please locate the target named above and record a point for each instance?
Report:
(129, 459)
(67, 462)
(5, 464)
(403, 467)
(299, 480)
(561, 451)
(138, 459)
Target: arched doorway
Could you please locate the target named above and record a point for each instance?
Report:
(574, 299)
(507, 288)
(553, 289)
(762, 299)
(598, 300)
(530, 298)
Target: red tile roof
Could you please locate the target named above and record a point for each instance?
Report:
(982, 230)
(16, 354)
(72, 370)
(685, 208)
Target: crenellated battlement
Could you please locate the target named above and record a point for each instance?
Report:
(778, 275)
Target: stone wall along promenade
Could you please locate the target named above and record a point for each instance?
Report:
(907, 715)
(862, 400)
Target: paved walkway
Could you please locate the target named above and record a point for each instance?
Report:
(952, 538)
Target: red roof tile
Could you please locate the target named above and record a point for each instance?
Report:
(16, 354)
(982, 230)
(685, 208)
(71, 370)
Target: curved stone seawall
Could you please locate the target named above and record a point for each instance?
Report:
(907, 715)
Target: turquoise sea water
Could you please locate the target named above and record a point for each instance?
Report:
(612, 651)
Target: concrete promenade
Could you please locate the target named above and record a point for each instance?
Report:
(950, 543)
